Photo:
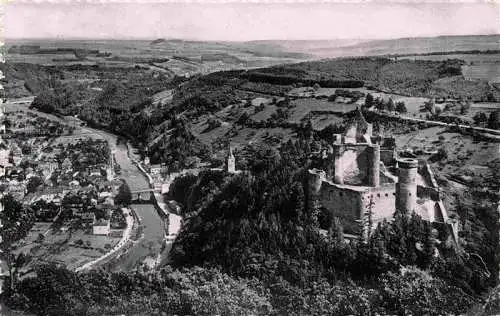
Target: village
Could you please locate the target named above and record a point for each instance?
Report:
(69, 182)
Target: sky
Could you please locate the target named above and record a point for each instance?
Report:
(247, 21)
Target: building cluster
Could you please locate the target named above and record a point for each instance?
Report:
(34, 170)
(361, 181)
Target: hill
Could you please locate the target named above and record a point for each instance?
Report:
(367, 47)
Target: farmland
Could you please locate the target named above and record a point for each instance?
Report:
(72, 248)
(477, 66)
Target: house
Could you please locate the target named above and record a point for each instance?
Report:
(104, 194)
(88, 219)
(101, 227)
(17, 158)
(109, 201)
(51, 194)
(47, 168)
(76, 209)
(66, 164)
(155, 169)
(94, 171)
(75, 121)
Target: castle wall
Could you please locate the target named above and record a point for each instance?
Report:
(350, 206)
(383, 199)
(343, 203)
(427, 193)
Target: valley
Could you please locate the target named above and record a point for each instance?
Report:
(230, 137)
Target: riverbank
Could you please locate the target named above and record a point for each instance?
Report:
(125, 238)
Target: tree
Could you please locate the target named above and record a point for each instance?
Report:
(390, 105)
(401, 107)
(490, 97)
(414, 292)
(259, 108)
(494, 120)
(16, 221)
(124, 196)
(369, 100)
(464, 108)
(40, 238)
(440, 155)
(33, 184)
(480, 118)
(380, 104)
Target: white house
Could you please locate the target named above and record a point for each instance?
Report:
(101, 227)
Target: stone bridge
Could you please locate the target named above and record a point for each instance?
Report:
(142, 196)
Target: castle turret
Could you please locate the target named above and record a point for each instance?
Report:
(406, 188)
(373, 152)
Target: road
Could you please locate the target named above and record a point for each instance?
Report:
(152, 225)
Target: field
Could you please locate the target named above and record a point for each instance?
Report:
(173, 56)
(59, 246)
(317, 107)
(477, 66)
(413, 104)
(467, 158)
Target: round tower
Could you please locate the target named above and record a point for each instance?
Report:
(316, 178)
(406, 188)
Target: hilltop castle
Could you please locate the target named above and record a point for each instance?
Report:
(361, 182)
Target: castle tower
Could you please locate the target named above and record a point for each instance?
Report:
(406, 188)
(231, 162)
(373, 153)
(315, 180)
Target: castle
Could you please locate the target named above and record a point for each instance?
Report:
(361, 181)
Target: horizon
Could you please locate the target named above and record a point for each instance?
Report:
(233, 41)
(244, 22)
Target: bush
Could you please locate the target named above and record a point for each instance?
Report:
(401, 107)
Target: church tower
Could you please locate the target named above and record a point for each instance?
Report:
(231, 162)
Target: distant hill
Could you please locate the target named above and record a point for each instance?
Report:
(364, 47)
